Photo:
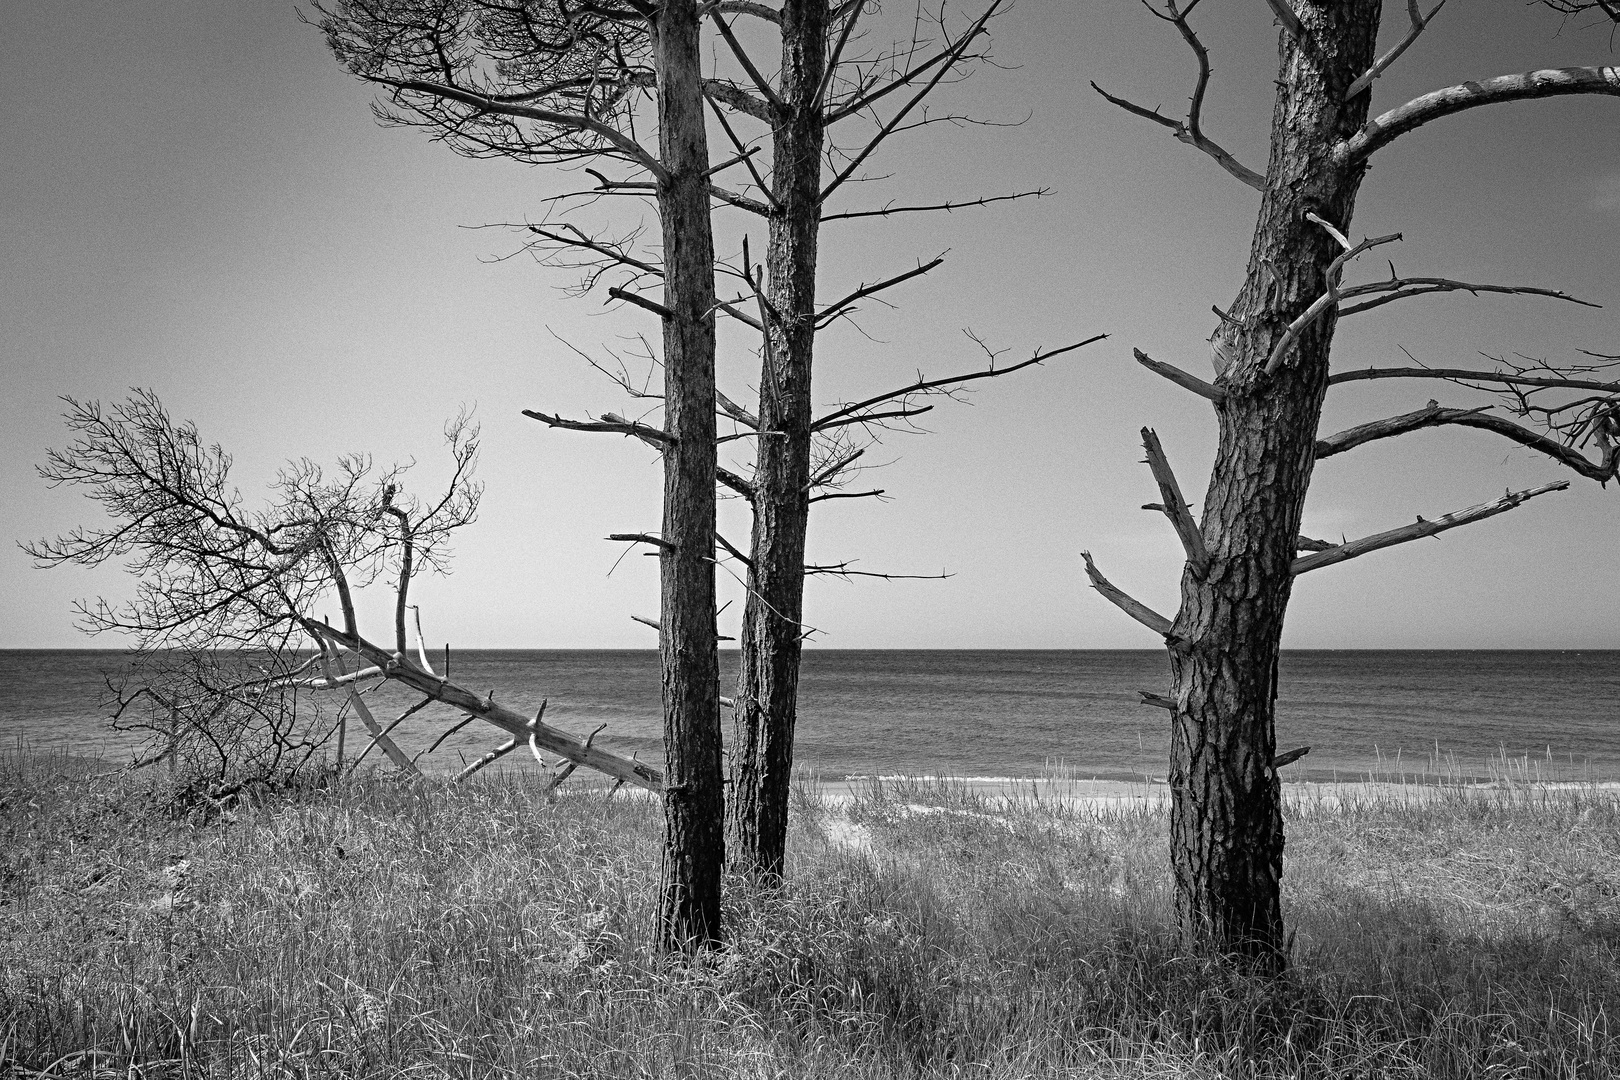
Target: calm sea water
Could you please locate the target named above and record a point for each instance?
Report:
(993, 713)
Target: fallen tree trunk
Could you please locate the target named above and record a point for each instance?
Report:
(397, 667)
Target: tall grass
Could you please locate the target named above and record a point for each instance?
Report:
(373, 928)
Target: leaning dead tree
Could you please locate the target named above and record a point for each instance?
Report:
(230, 620)
(619, 85)
(1270, 353)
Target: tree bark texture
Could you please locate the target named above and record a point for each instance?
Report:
(694, 813)
(1226, 811)
(768, 682)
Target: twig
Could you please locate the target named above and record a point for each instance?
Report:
(1188, 131)
(449, 732)
(831, 312)
(945, 206)
(1419, 23)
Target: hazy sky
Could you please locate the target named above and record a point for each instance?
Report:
(197, 200)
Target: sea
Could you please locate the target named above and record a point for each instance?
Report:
(1417, 715)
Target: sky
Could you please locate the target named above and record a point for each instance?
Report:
(197, 200)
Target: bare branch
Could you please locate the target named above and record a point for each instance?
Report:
(1404, 288)
(1433, 415)
(735, 411)
(1128, 604)
(747, 7)
(656, 625)
(1289, 20)
(641, 302)
(761, 83)
(742, 148)
(610, 422)
(1181, 378)
(843, 570)
(736, 483)
(946, 60)
(578, 239)
(837, 465)
(1471, 375)
(1421, 528)
(1175, 506)
(853, 413)
(1419, 23)
(378, 735)
(832, 311)
(643, 538)
(945, 206)
(872, 494)
(1188, 131)
(620, 141)
(385, 732)
(1290, 757)
(421, 645)
(1158, 701)
(1549, 82)
(729, 94)
(447, 733)
(1319, 307)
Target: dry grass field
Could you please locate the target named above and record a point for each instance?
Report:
(370, 928)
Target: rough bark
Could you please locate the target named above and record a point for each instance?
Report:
(1226, 817)
(768, 682)
(694, 815)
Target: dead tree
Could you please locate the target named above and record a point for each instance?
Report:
(229, 598)
(784, 77)
(554, 81)
(1271, 360)
(825, 79)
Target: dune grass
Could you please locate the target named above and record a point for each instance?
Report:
(371, 928)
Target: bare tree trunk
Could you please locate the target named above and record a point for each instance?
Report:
(768, 683)
(1226, 816)
(694, 813)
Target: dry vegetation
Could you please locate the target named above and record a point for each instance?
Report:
(372, 928)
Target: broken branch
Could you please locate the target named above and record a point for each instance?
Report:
(1126, 603)
(1175, 506)
(1421, 528)
(1181, 378)
(609, 423)
(1290, 757)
